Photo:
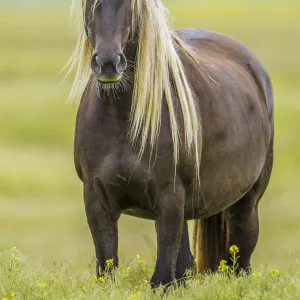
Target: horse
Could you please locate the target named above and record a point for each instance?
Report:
(173, 125)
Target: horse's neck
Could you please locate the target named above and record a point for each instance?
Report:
(116, 104)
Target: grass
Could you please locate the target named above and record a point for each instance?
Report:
(41, 207)
(20, 281)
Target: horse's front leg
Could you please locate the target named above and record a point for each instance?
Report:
(185, 260)
(104, 229)
(169, 227)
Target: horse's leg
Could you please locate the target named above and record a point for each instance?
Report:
(244, 229)
(104, 229)
(169, 227)
(185, 260)
(243, 217)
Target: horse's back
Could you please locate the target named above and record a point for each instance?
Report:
(211, 46)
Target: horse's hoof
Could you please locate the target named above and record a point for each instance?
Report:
(166, 283)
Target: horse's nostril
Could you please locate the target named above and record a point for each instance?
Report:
(118, 60)
(98, 61)
(108, 64)
(96, 64)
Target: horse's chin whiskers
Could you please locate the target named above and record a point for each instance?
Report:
(107, 86)
(123, 85)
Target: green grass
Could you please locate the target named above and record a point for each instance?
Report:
(131, 281)
(41, 206)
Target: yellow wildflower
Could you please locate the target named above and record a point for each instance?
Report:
(223, 262)
(146, 270)
(110, 262)
(234, 249)
(100, 279)
(43, 284)
(141, 262)
(13, 252)
(4, 299)
(274, 272)
(12, 294)
(257, 274)
(223, 266)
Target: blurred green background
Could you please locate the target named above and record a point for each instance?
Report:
(41, 206)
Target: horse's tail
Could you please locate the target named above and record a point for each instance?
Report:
(211, 241)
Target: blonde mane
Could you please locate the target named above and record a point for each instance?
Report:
(158, 68)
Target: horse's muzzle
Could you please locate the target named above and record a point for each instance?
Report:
(108, 69)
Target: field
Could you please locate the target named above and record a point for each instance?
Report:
(131, 281)
(41, 207)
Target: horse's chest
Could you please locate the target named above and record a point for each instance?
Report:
(120, 176)
(103, 150)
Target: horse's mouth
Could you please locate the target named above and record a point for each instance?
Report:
(109, 80)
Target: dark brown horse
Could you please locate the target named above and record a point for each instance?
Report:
(172, 126)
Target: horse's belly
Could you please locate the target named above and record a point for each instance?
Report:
(227, 175)
(140, 213)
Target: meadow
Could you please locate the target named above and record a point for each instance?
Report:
(131, 282)
(41, 206)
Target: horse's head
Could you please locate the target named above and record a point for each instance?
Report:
(108, 26)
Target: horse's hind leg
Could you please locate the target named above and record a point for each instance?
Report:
(185, 260)
(244, 228)
(243, 217)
